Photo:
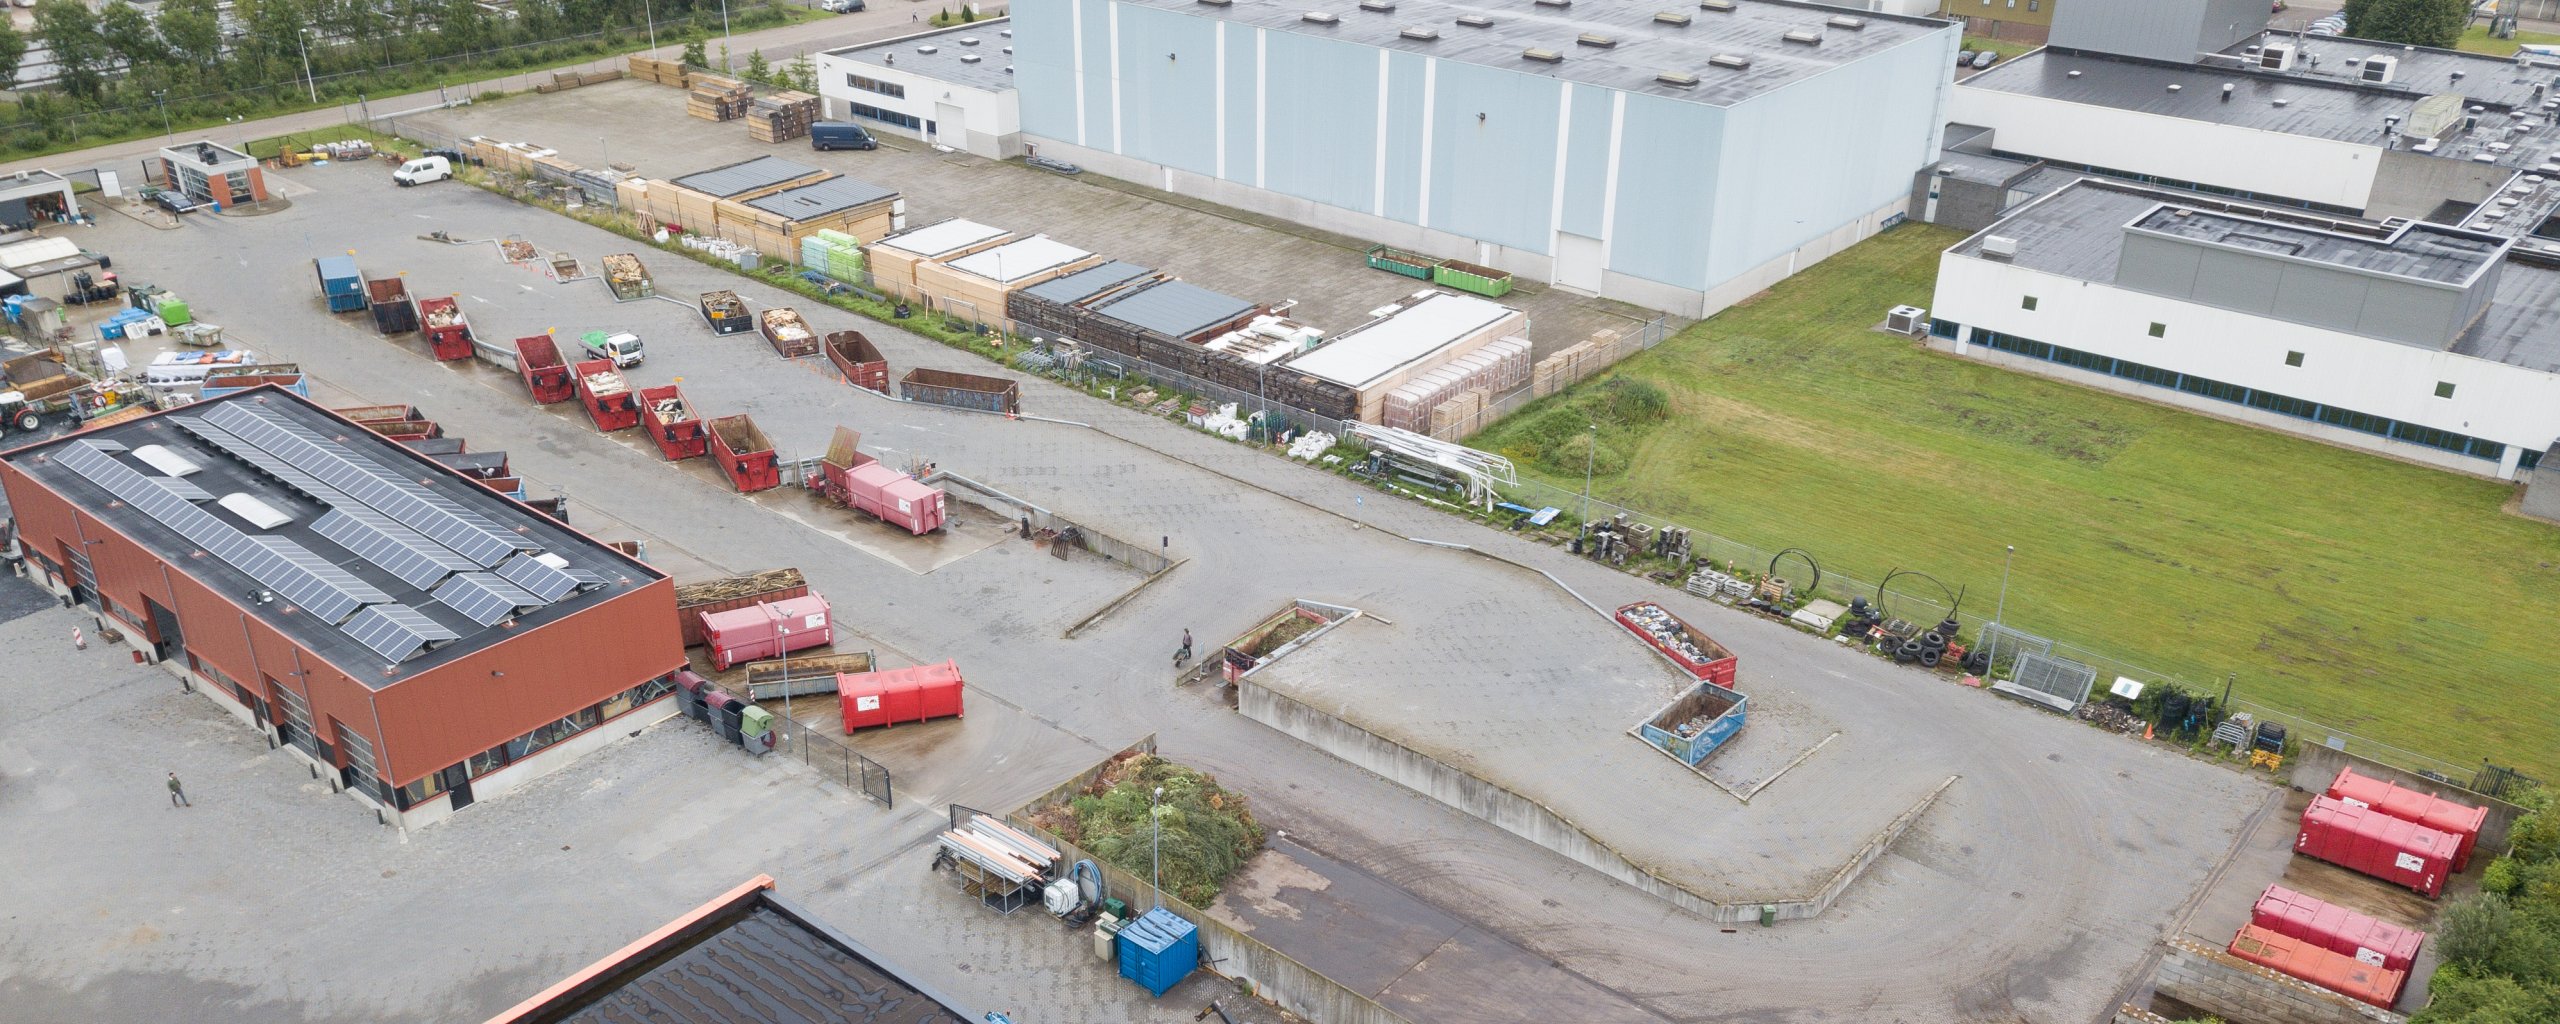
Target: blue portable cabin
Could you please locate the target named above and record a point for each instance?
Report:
(1158, 950)
(341, 283)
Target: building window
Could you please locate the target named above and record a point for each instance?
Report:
(2293, 359)
(2028, 303)
(2159, 330)
(421, 791)
(2444, 389)
(908, 121)
(2035, 5)
(580, 721)
(360, 774)
(2526, 462)
(486, 761)
(890, 89)
(295, 722)
(1944, 328)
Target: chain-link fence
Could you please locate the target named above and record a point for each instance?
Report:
(833, 759)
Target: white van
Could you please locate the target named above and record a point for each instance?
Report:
(423, 170)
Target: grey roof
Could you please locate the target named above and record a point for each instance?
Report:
(1752, 29)
(373, 574)
(993, 46)
(2077, 232)
(2417, 251)
(2322, 105)
(34, 181)
(1988, 170)
(1084, 284)
(745, 176)
(823, 198)
(2497, 81)
(1175, 309)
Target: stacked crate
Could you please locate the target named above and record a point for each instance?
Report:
(833, 253)
(714, 98)
(663, 72)
(632, 194)
(511, 157)
(1496, 369)
(782, 117)
(1558, 372)
(1458, 416)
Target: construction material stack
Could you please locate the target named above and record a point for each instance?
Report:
(538, 362)
(340, 283)
(730, 593)
(1496, 369)
(606, 395)
(744, 454)
(832, 253)
(1561, 369)
(448, 330)
(890, 696)
(629, 279)
(789, 334)
(781, 117)
(714, 98)
(663, 72)
(999, 866)
(859, 360)
(859, 482)
(393, 313)
(725, 312)
(671, 422)
(767, 630)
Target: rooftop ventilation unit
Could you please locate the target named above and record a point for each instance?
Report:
(1999, 246)
(1595, 39)
(1730, 61)
(970, 58)
(1847, 22)
(1475, 21)
(2276, 57)
(1420, 34)
(1318, 18)
(1806, 36)
(2379, 70)
(1377, 6)
(1718, 6)
(1215, 3)
(1008, 49)
(1682, 79)
(1543, 56)
(1670, 18)
(2175, 87)
(2073, 73)
(1555, 3)
(968, 40)
(928, 49)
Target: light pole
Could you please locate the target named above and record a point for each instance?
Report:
(1588, 454)
(728, 42)
(161, 97)
(785, 632)
(650, 10)
(1155, 814)
(2002, 608)
(302, 39)
(607, 143)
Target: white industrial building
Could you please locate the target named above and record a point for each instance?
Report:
(1679, 156)
(2432, 343)
(951, 87)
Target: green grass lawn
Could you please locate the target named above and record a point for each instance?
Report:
(2476, 40)
(2005, 48)
(2396, 602)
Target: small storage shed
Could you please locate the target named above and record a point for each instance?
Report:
(210, 173)
(37, 196)
(983, 282)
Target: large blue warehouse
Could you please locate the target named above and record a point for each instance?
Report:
(1673, 153)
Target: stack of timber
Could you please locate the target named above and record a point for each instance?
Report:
(561, 80)
(663, 72)
(714, 98)
(781, 117)
(512, 157)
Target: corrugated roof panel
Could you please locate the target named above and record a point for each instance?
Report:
(1175, 309)
(948, 236)
(745, 176)
(1014, 261)
(1085, 284)
(823, 198)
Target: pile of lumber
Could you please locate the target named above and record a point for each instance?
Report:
(1559, 371)
(733, 587)
(663, 72)
(718, 99)
(782, 117)
(566, 80)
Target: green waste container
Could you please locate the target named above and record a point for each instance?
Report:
(1468, 277)
(1398, 261)
(173, 311)
(1768, 914)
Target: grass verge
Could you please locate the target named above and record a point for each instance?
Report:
(2379, 597)
(2476, 39)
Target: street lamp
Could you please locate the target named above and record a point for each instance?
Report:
(1588, 454)
(728, 42)
(650, 10)
(785, 631)
(161, 97)
(2002, 608)
(1155, 814)
(302, 39)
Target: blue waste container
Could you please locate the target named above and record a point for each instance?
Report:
(1158, 950)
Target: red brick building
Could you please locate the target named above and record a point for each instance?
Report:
(426, 640)
(215, 174)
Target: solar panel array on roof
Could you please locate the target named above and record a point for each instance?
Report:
(1176, 309)
(397, 631)
(485, 597)
(745, 176)
(439, 518)
(383, 541)
(541, 579)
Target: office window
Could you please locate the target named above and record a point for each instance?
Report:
(2293, 359)
(2035, 5)
(2444, 389)
(2028, 303)
(891, 89)
(2159, 330)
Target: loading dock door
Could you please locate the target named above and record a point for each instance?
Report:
(1578, 262)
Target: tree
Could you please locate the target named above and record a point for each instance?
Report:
(693, 55)
(2436, 23)
(758, 70)
(128, 34)
(13, 48)
(193, 32)
(80, 55)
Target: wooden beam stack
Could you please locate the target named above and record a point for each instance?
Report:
(714, 98)
(663, 72)
(782, 117)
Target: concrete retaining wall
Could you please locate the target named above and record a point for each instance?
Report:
(1136, 556)
(2314, 767)
(2131, 1014)
(2216, 982)
(1536, 822)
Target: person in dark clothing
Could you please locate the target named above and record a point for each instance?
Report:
(178, 793)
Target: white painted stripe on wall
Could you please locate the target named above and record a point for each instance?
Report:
(1115, 78)
(1609, 191)
(1555, 204)
(1430, 82)
(1219, 67)
(1261, 104)
(1075, 23)
(1378, 178)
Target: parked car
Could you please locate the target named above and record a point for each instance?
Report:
(839, 135)
(174, 202)
(1985, 59)
(1964, 57)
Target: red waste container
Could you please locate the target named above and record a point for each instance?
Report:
(767, 630)
(2335, 928)
(2369, 841)
(2461, 821)
(2344, 975)
(899, 695)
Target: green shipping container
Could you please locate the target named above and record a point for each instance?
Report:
(1468, 277)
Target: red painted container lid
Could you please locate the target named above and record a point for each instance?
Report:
(2408, 804)
(2336, 928)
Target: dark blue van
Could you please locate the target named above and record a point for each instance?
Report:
(839, 135)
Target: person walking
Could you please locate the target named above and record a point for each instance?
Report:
(178, 793)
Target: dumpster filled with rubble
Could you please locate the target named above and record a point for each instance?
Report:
(1696, 723)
